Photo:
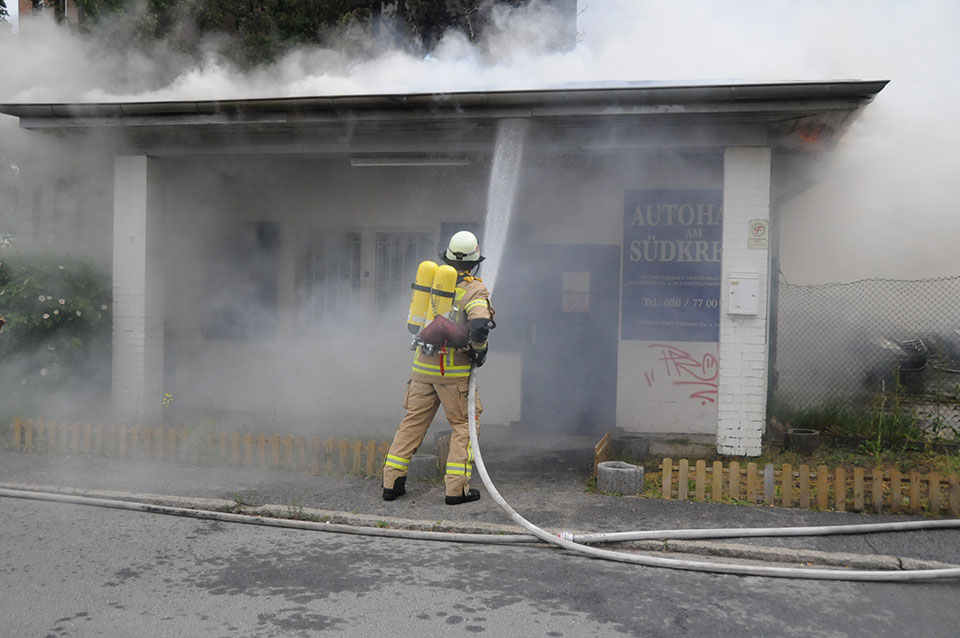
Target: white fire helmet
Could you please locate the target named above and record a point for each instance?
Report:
(463, 247)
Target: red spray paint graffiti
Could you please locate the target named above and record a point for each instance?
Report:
(680, 363)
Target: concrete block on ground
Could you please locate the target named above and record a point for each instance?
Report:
(620, 477)
(423, 467)
(689, 446)
(632, 447)
(802, 440)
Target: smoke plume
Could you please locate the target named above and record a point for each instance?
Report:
(882, 206)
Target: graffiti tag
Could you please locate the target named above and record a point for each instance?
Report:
(689, 371)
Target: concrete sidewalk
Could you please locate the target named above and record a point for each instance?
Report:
(546, 486)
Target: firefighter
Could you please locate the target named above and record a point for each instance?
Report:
(442, 378)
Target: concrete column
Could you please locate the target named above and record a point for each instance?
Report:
(137, 324)
(742, 391)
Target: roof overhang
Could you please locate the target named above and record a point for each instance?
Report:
(779, 114)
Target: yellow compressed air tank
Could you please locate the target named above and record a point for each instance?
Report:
(443, 291)
(420, 299)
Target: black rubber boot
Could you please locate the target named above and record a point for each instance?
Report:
(399, 489)
(472, 495)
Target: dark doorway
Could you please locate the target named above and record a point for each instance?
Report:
(571, 332)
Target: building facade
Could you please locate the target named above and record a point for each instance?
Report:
(262, 250)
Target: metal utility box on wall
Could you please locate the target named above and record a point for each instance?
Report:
(744, 297)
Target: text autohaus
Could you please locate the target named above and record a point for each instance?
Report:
(691, 248)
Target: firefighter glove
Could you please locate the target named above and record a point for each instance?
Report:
(478, 355)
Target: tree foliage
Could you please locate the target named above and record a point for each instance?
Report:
(4, 14)
(430, 19)
(252, 32)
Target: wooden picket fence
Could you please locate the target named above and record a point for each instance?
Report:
(820, 488)
(296, 453)
(602, 451)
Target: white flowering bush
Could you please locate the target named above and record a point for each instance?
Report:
(58, 331)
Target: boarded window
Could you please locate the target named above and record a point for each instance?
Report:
(328, 276)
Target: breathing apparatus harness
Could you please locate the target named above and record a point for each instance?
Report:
(431, 310)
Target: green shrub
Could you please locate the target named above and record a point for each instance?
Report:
(55, 348)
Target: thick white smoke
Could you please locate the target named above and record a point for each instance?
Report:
(884, 206)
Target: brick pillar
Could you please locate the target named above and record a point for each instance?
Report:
(742, 391)
(137, 323)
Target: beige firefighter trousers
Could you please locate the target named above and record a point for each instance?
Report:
(421, 402)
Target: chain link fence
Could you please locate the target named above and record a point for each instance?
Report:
(858, 344)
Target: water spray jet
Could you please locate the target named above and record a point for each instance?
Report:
(502, 192)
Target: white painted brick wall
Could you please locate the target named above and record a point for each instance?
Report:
(742, 391)
(134, 336)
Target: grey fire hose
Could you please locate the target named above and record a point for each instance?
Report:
(760, 532)
(247, 519)
(673, 563)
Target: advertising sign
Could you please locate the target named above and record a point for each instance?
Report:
(671, 265)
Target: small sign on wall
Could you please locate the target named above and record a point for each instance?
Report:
(576, 292)
(757, 233)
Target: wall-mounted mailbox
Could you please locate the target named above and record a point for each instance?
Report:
(744, 295)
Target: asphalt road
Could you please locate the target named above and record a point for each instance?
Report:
(70, 570)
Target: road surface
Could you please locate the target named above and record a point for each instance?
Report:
(70, 570)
